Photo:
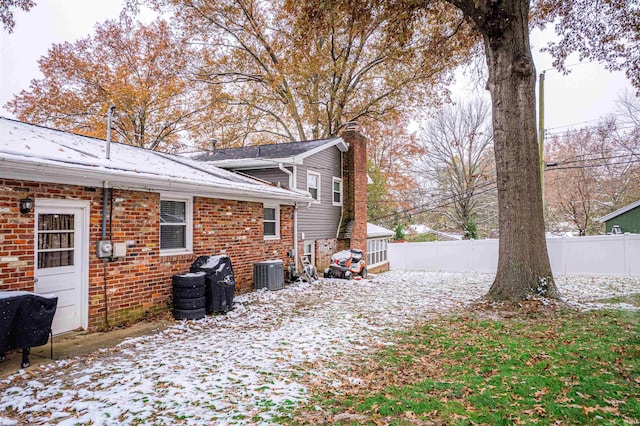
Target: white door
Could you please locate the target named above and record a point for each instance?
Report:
(60, 259)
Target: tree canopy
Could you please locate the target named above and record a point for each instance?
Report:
(293, 73)
(7, 8)
(458, 166)
(140, 69)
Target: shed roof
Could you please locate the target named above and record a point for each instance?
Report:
(619, 211)
(36, 153)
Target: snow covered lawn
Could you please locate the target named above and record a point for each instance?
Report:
(246, 366)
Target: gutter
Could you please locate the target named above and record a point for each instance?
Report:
(292, 187)
(342, 206)
(96, 175)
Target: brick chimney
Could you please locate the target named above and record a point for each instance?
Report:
(353, 230)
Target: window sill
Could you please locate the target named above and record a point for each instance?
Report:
(175, 252)
(271, 237)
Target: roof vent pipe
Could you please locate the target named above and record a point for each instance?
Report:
(108, 150)
(351, 126)
(212, 144)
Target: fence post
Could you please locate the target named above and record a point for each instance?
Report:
(564, 256)
(406, 256)
(627, 254)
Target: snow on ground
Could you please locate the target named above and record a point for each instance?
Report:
(246, 366)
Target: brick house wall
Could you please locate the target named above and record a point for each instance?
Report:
(140, 282)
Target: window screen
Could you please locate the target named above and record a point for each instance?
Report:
(270, 223)
(173, 224)
(313, 185)
(337, 191)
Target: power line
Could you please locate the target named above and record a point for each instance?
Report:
(589, 166)
(430, 209)
(575, 64)
(439, 203)
(573, 159)
(626, 126)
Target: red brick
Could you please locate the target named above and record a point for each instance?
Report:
(129, 279)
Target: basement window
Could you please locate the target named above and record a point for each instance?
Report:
(176, 224)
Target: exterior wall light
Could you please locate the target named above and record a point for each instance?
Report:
(26, 204)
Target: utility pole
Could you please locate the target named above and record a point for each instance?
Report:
(541, 129)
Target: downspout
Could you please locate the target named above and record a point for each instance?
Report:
(342, 205)
(295, 215)
(292, 187)
(105, 193)
(105, 197)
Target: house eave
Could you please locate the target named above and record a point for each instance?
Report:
(337, 142)
(245, 164)
(266, 163)
(90, 176)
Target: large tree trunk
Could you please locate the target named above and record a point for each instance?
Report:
(523, 262)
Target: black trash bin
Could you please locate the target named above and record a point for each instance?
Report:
(220, 284)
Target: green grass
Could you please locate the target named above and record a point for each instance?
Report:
(546, 368)
(631, 299)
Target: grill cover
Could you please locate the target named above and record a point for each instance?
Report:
(26, 319)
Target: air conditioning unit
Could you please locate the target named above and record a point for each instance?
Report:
(269, 275)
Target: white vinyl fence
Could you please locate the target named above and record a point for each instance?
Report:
(603, 255)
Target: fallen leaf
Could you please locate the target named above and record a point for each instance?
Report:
(541, 393)
(540, 411)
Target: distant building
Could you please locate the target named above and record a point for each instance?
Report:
(624, 220)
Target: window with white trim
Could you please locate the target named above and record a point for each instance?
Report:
(271, 222)
(313, 185)
(376, 250)
(176, 224)
(308, 250)
(337, 191)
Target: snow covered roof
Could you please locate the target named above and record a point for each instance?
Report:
(268, 155)
(30, 152)
(619, 211)
(424, 229)
(375, 231)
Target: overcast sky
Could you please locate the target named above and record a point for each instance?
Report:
(585, 95)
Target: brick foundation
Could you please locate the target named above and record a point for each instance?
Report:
(140, 282)
(324, 250)
(378, 269)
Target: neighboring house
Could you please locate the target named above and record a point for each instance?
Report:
(441, 236)
(332, 171)
(160, 212)
(377, 240)
(624, 220)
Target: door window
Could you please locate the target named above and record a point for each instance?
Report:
(55, 240)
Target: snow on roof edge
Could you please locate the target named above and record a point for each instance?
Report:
(32, 146)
